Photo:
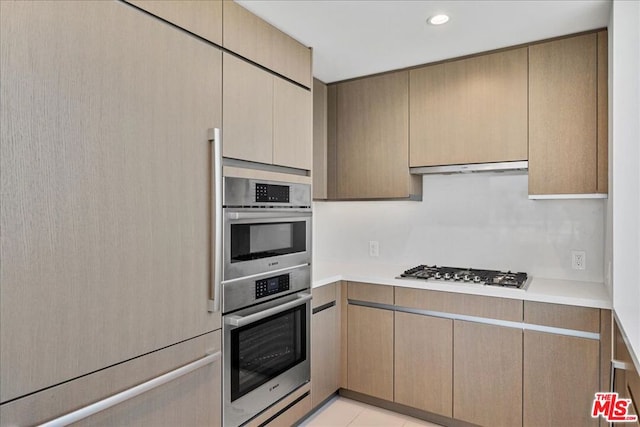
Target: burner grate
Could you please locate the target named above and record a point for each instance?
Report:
(470, 275)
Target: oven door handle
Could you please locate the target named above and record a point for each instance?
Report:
(238, 321)
(303, 214)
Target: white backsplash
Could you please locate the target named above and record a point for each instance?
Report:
(468, 220)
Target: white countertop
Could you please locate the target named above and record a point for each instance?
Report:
(569, 292)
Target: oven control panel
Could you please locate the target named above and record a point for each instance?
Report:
(272, 285)
(270, 193)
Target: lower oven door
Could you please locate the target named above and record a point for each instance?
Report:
(266, 355)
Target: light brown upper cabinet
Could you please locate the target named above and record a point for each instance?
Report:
(201, 17)
(567, 116)
(255, 39)
(106, 183)
(372, 138)
(320, 152)
(472, 110)
(247, 99)
(266, 119)
(292, 125)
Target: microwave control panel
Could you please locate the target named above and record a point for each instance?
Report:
(270, 193)
(272, 285)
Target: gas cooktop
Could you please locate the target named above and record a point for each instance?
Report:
(468, 275)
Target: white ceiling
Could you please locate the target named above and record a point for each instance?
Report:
(357, 37)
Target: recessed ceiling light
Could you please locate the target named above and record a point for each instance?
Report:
(438, 19)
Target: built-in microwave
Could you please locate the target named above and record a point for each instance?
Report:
(267, 226)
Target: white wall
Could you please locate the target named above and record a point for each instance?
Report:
(469, 220)
(625, 81)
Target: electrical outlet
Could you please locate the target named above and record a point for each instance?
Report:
(374, 248)
(578, 260)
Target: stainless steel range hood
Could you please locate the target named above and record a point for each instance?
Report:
(472, 168)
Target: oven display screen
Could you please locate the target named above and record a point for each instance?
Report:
(268, 193)
(272, 285)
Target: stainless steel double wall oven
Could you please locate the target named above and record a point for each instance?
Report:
(266, 299)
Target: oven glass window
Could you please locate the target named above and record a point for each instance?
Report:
(264, 240)
(265, 349)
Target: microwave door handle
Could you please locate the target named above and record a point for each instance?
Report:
(245, 320)
(216, 208)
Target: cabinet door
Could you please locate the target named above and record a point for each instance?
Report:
(252, 37)
(561, 376)
(470, 111)
(373, 137)
(320, 150)
(487, 374)
(292, 125)
(563, 116)
(193, 399)
(424, 362)
(325, 354)
(325, 343)
(603, 113)
(370, 351)
(105, 174)
(201, 17)
(247, 99)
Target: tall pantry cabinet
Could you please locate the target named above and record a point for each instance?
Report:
(105, 169)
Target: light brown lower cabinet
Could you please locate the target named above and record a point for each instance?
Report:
(424, 362)
(487, 374)
(325, 344)
(370, 351)
(193, 399)
(561, 376)
(627, 380)
(479, 372)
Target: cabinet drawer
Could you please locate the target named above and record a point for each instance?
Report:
(562, 316)
(193, 399)
(324, 295)
(287, 411)
(371, 293)
(469, 305)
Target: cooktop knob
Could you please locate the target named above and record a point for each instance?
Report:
(477, 279)
(467, 277)
(438, 275)
(447, 276)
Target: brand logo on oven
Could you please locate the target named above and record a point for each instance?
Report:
(274, 387)
(271, 264)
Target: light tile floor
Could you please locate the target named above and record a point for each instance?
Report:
(342, 412)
